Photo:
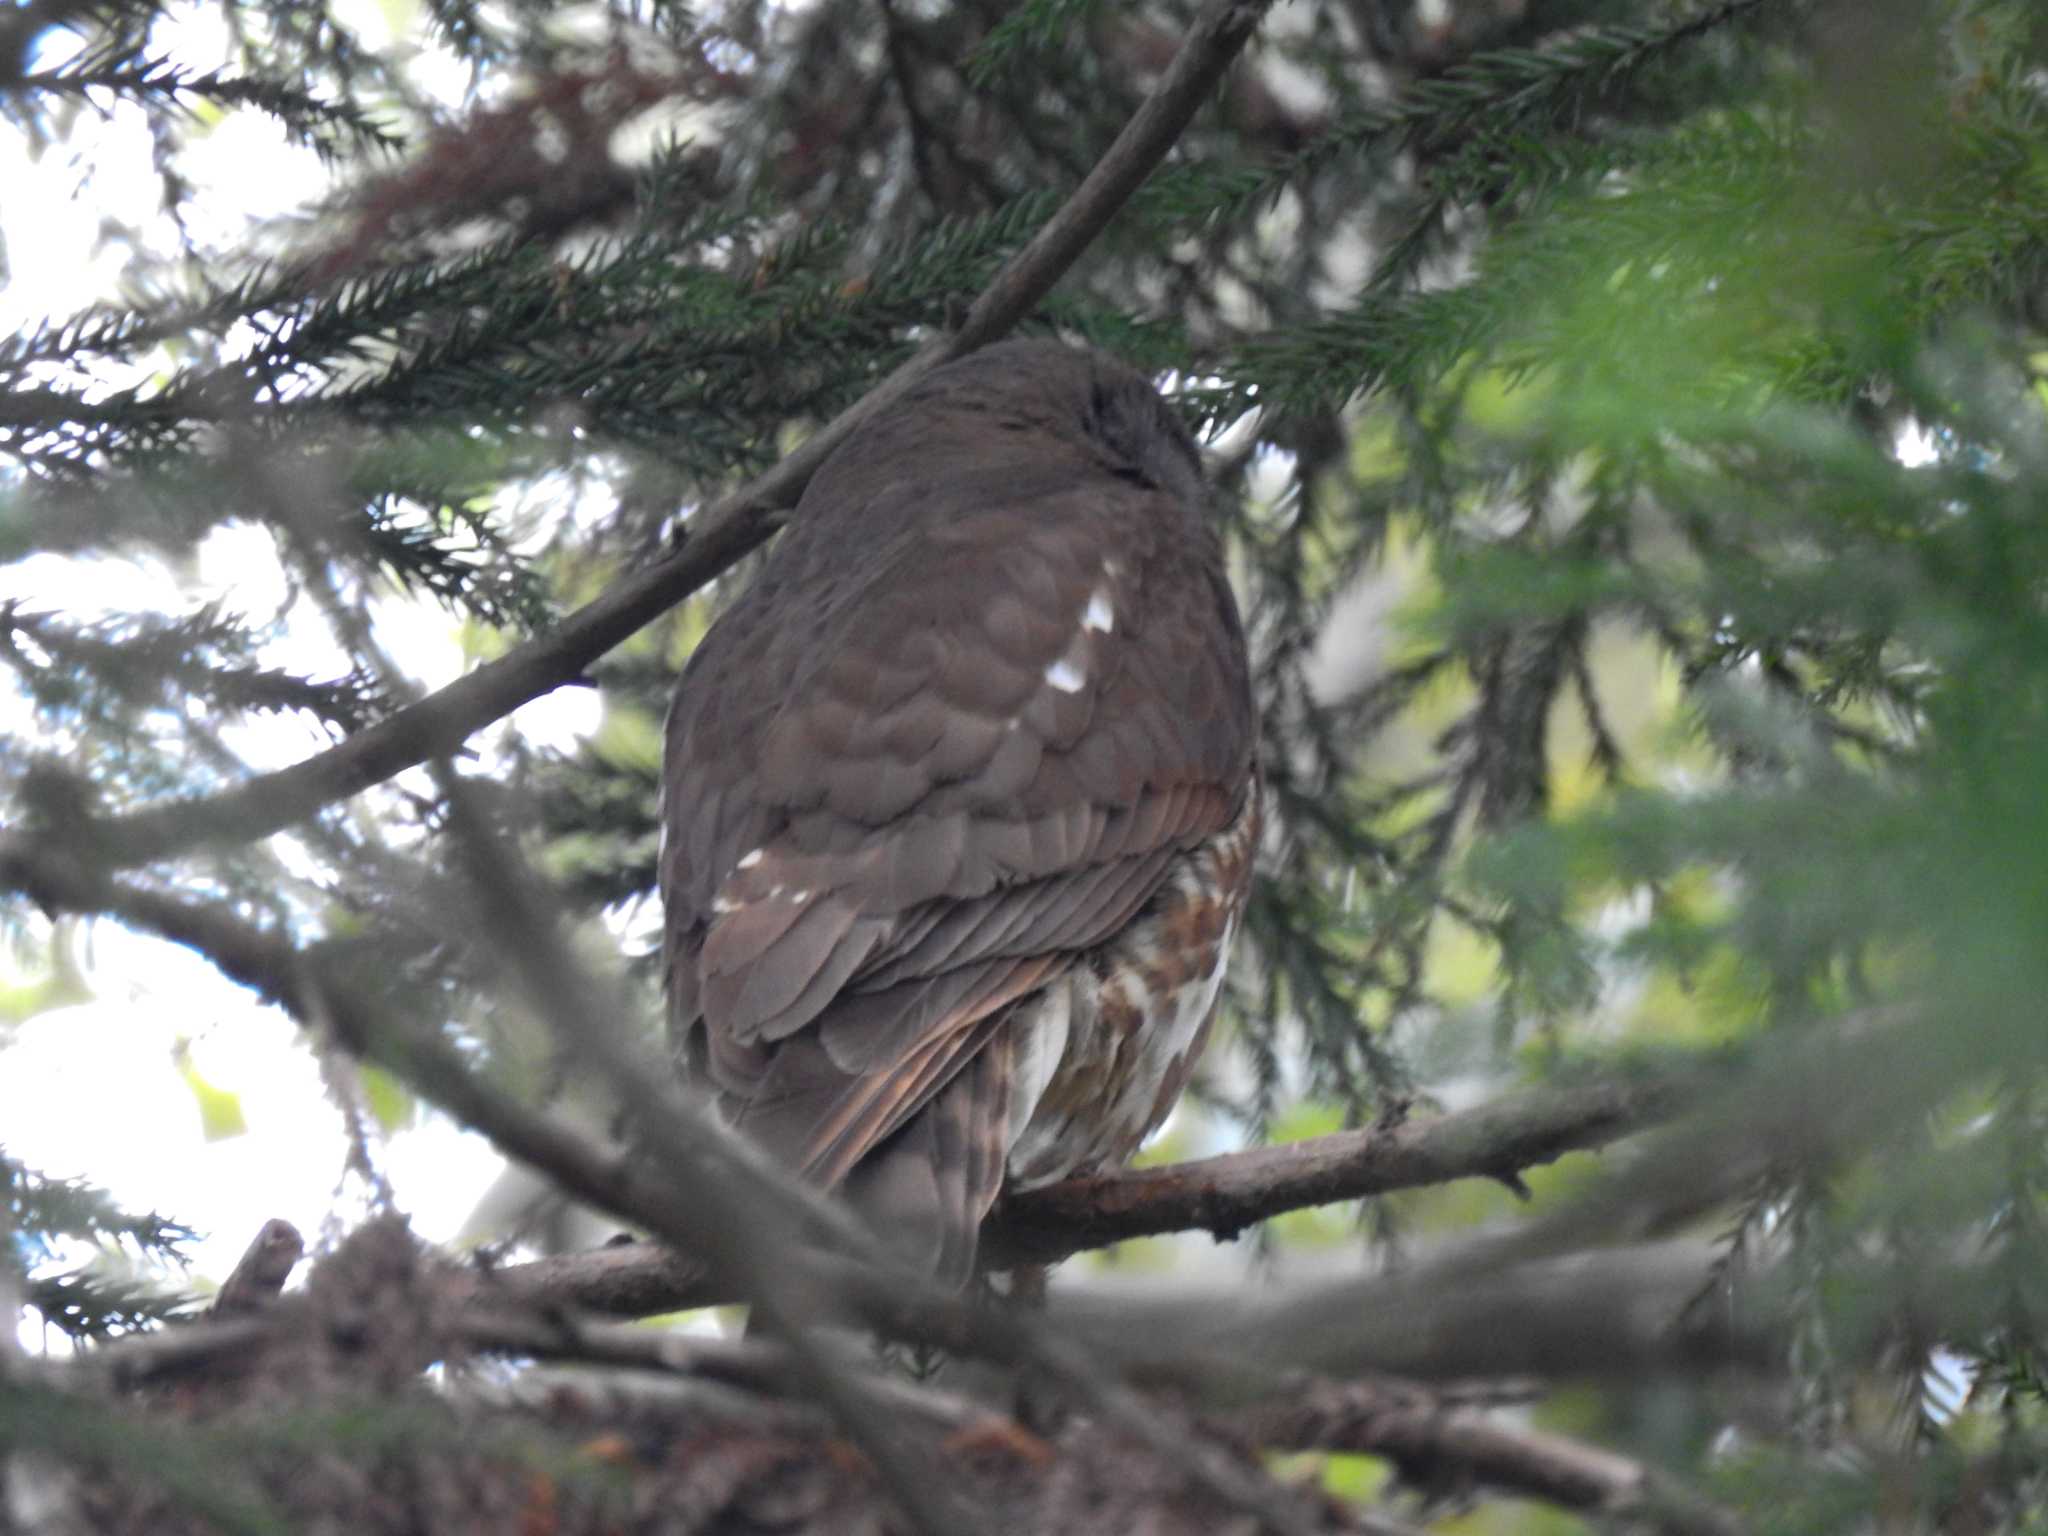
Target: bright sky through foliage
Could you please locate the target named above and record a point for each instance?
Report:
(200, 1101)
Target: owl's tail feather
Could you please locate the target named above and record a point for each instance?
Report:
(926, 1189)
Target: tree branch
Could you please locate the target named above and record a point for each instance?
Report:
(1434, 1438)
(698, 1394)
(1614, 1312)
(1221, 1195)
(1434, 1441)
(713, 539)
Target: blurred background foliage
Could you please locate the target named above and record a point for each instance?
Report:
(1632, 421)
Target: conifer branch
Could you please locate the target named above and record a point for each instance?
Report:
(1497, 88)
(141, 76)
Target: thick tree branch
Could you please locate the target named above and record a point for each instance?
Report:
(1222, 1195)
(713, 538)
(1577, 1307)
(698, 1399)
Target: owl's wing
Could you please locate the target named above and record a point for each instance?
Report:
(908, 786)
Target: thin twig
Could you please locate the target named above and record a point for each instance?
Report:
(1225, 1194)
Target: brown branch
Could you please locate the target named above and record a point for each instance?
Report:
(768, 1368)
(1219, 32)
(1434, 1442)
(1596, 1310)
(137, 1359)
(1221, 1195)
(753, 1365)
(713, 538)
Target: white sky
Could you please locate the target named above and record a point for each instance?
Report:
(95, 1090)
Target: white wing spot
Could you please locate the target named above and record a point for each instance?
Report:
(798, 898)
(751, 859)
(1065, 676)
(1099, 615)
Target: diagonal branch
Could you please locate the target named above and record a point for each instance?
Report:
(714, 538)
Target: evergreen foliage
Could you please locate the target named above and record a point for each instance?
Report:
(1634, 420)
(47, 1218)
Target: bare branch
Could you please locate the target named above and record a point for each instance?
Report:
(1433, 1441)
(1222, 1195)
(706, 1392)
(1578, 1307)
(1432, 1437)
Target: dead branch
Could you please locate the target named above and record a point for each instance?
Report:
(371, 1317)
(1435, 1438)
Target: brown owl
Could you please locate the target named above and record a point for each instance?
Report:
(960, 799)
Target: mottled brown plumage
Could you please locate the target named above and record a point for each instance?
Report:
(959, 799)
